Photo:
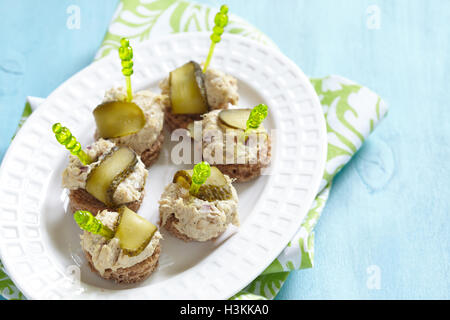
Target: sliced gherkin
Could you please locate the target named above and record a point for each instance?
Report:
(103, 180)
(134, 232)
(212, 193)
(118, 118)
(215, 187)
(216, 178)
(120, 178)
(236, 119)
(188, 90)
(183, 178)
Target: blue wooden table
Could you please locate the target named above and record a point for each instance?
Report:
(385, 232)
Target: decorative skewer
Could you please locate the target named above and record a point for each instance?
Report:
(65, 137)
(256, 117)
(220, 21)
(126, 55)
(200, 174)
(88, 222)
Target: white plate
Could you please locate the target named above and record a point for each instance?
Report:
(39, 241)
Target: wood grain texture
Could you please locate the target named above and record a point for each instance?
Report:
(389, 206)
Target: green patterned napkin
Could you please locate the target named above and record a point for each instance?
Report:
(351, 112)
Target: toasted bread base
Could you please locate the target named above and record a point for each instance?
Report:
(246, 172)
(178, 121)
(170, 226)
(241, 172)
(150, 155)
(136, 273)
(181, 121)
(80, 199)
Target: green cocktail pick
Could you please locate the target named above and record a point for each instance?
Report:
(256, 117)
(65, 137)
(220, 21)
(89, 223)
(200, 174)
(126, 55)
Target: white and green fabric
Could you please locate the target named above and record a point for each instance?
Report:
(351, 112)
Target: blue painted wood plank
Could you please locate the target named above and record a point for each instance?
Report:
(39, 52)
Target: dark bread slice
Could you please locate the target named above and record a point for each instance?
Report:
(181, 121)
(178, 121)
(241, 172)
(247, 172)
(136, 273)
(150, 155)
(80, 199)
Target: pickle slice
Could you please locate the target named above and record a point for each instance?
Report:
(234, 118)
(133, 232)
(105, 177)
(188, 90)
(183, 178)
(215, 187)
(118, 118)
(216, 178)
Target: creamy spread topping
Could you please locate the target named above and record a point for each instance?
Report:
(107, 254)
(76, 173)
(153, 106)
(198, 219)
(221, 89)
